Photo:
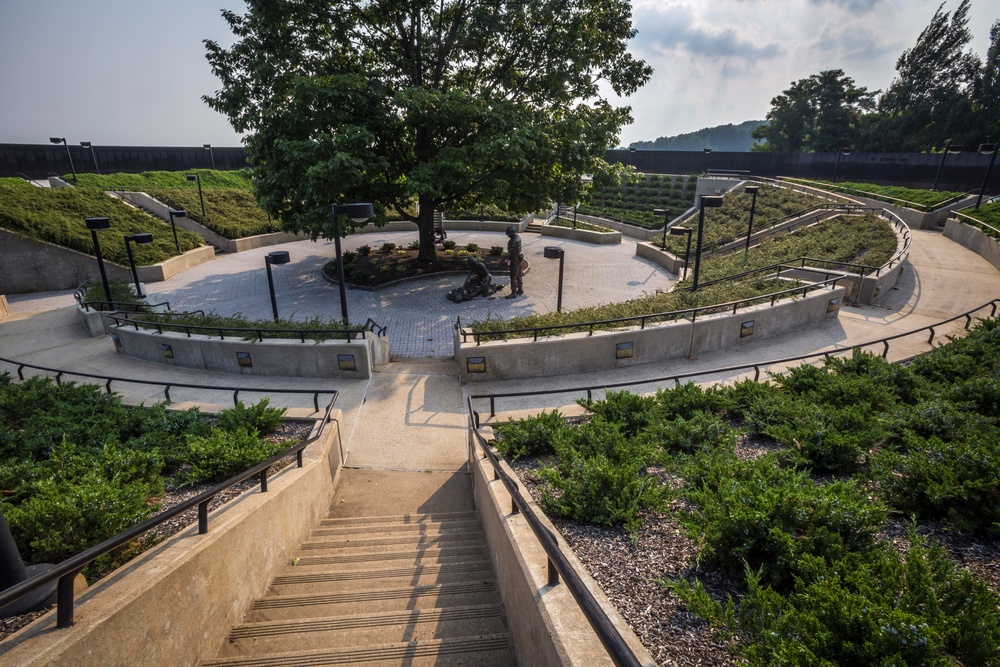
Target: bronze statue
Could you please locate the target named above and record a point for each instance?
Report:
(515, 259)
(478, 283)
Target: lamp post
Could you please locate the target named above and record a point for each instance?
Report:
(750, 190)
(952, 149)
(176, 214)
(706, 202)
(682, 231)
(211, 154)
(142, 238)
(555, 252)
(847, 150)
(276, 257)
(87, 144)
(357, 213)
(95, 225)
(197, 178)
(62, 140)
(986, 149)
(664, 213)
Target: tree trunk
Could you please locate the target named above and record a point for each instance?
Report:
(425, 230)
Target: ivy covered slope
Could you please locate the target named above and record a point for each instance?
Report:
(989, 213)
(633, 201)
(78, 467)
(798, 530)
(230, 207)
(918, 198)
(57, 216)
(852, 239)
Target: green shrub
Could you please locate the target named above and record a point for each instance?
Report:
(472, 247)
(223, 454)
(122, 296)
(532, 436)
(631, 412)
(448, 244)
(680, 435)
(364, 250)
(496, 250)
(257, 417)
(414, 245)
(387, 247)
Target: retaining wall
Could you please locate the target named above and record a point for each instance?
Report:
(973, 239)
(586, 235)
(270, 357)
(606, 350)
(174, 605)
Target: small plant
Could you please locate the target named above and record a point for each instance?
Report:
(472, 247)
(222, 454)
(532, 436)
(365, 250)
(349, 257)
(448, 244)
(496, 250)
(414, 245)
(295, 562)
(257, 417)
(387, 247)
(402, 252)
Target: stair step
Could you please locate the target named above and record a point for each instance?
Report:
(320, 582)
(436, 554)
(489, 650)
(280, 607)
(359, 629)
(390, 543)
(438, 517)
(397, 528)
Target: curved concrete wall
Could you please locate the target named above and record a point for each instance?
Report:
(975, 240)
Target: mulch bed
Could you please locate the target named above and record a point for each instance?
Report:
(379, 268)
(289, 430)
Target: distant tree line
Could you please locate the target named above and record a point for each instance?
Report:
(729, 137)
(943, 94)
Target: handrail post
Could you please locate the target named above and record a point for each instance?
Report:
(64, 600)
(493, 406)
(885, 350)
(553, 573)
(263, 480)
(203, 518)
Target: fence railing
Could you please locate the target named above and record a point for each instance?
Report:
(559, 566)
(642, 320)
(247, 333)
(66, 571)
(756, 367)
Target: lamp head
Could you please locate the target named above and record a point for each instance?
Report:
(661, 211)
(277, 257)
(679, 231)
(846, 150)
(711, 202)
(359, 212)
(954, 148)
(57, 140)
(986, 149)
(751, 189)
(97, 224)
(178, 214)
(207, 147)
(631, 149)
(708, 151)
(142, 238)
(85, 144)
(192, 177)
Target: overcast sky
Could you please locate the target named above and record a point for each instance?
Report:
(132, 72)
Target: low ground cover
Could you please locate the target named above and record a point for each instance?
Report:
(633, 201)
(789, 498)
(78, 467)
(857, 239)
(918, 198)
(373, 267)
(210, 179)
(57, 216)
(229, 212)
(314, 329)
(988, 213)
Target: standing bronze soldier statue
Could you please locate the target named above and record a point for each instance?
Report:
(515, 258)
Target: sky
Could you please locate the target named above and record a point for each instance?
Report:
(132, 72)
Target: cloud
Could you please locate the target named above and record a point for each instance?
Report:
(852, 5)
(676, 27)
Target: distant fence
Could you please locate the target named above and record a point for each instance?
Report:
(40, 160)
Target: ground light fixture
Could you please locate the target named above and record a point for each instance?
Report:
(196, 178)
(176, 214)
(750, 190)
(357, 213)
(683, 231)
(662, 213)
(706, 202)
(555, 252)
(62, 140)
(274, 258)
(211, 153)
(952, 149)
(142, 238)
(87, 144)
(846, 150)
(95, 225)
(987, 149)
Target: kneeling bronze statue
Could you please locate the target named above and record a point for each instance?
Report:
(479, 283)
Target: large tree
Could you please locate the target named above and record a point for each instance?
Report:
(819, 113)
(432, 102)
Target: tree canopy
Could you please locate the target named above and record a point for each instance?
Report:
(399, 101)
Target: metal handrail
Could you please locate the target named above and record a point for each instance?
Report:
(806, 215)
(672, 315)
(968, 315)
(968, 219)
(122, 320)
(895, 201)
(67, 570)
(558, 565)
(121, 306)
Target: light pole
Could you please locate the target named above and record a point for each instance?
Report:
(176, 214)
(952, 149)
(197, 178)
(357, 213)
(575, 206)
(87, 144)
(276, 257)
(706, 202)
(750, 190)
(95, 225)
(142, 238)
(664, 213)
(683, 231)
(555, 252)
(631, 156)
(986, 149)
(847, 150)
(62, 140)
(211, 154)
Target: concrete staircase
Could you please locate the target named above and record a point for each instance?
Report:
(403, 589)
